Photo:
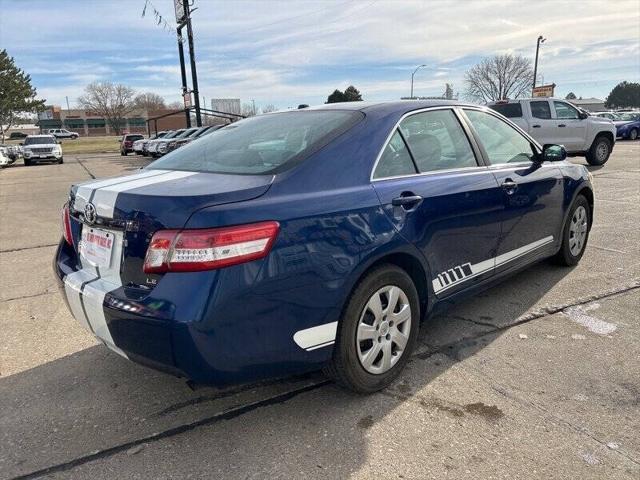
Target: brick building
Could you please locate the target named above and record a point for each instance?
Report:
(88, 124)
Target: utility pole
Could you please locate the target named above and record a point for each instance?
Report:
(253, 102)
(541, 39)
(412, 75)
(192, 58)
(183, 72)
(67, 103)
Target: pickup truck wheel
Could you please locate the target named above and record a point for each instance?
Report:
(599, 152)
(27, 163)
(61, 161)
(633, 134)
(377, 332)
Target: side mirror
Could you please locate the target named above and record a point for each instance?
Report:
(583, 115)
(554, 153)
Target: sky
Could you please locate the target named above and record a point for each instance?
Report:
(290, 52)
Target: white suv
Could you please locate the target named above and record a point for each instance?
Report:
(41, 148)
(556, 121)
(62, 133)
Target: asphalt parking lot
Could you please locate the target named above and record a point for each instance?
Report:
(536, 378)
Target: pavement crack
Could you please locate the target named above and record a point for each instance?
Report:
(229, 414)
(81, 163)
(21, 297)
(11, 250)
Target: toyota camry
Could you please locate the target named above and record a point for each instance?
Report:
(314, 239)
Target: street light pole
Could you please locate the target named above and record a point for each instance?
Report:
(541, 39)
(412, 75)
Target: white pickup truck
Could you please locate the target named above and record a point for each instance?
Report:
(556, 121)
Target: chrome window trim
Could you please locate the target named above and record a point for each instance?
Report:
(464, 170)
(418, 174)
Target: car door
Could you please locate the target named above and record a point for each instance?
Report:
(532, 192)
(574, 129)
(543, 126)
(435, 190)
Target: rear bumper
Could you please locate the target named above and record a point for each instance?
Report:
(199, 326)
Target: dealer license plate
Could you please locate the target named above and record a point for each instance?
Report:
(96, 246)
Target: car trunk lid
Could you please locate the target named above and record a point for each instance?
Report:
(133, 208)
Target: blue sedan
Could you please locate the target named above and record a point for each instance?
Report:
(314, 239)
(628, 125)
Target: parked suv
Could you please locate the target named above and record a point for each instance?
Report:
(62, 133)
(41, 147)
(556, 121)
(126, 144)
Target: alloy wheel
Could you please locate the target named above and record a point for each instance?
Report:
(383, 329)
(602, 150)
(578, 231)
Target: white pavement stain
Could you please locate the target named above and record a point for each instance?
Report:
(595, 325)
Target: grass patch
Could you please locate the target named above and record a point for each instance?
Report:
(86, 145)
(91, 145)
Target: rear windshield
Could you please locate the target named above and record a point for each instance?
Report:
(509, 110)
(265, 144)
(134, 137)
(39, 140)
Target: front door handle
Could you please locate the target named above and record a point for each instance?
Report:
(406, 201)
(536, 126)
(562, 125)
(509, 186)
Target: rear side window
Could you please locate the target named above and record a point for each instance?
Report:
(509, 110)
(265, 144)
(564, 110)
(395, 160)
(437, 142)
(540, 109)
(502, 142)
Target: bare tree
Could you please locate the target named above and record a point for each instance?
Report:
(111, 101)
(176, 106)
(498, 78)
(269, 108)
(149, 101)
(248, 110)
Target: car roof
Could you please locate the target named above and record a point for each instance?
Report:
(390, 106)
(40, 136)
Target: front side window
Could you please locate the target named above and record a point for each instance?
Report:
(541, 109)
(565, 111)
(395, 160)
(502, 142)
(265, 144)
(437, 141)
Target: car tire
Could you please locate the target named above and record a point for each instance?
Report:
(575, 233)
(633, 134)
(61, 161)
(350, 355)
(600, 151)
(123, 153)
(27, 163)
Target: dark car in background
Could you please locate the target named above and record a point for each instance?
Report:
(126, 143)
(627, 125)
(200, 132)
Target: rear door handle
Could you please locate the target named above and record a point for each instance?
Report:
(536, 126)
(407, 202)
(509, 186)
(562, 125)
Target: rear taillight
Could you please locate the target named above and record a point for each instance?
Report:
(208, 249)
(66, 225)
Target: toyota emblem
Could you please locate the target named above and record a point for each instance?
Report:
(90, 214)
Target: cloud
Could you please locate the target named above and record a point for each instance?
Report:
(274, 53)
